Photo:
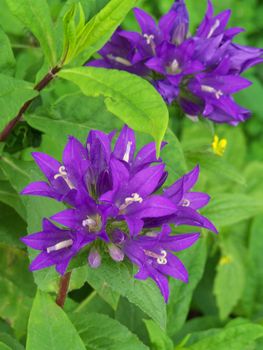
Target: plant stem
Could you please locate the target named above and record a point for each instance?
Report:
(39, 86)
(63, 289)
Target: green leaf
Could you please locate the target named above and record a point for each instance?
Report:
(228, 209)
(10, 197)
(17, 288)
(100, 28)
(101, 332)
(36, 17)
(231, 338)
(119, 278)
(252, 299)
(17, 91)
(178, 306)
(12, 227)
(4, 346)
(9, 341)
(230, 278)
(128, 96)
(173, 156)
(216, 166)
(49, 327)
(159, 339)
(133, 318)
(94, 303)
(17, 171)
(7, 59)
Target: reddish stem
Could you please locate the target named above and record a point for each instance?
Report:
(63, 289)
(39, 86)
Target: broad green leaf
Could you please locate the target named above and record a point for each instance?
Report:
(10, 341)
(10, 197)
(49, 328)
(100, 28)
(119, 278)
(178, 306)
(159, 339)
(101, 332)
(4, 346)
(17, 288)
(36, 17)
(230, 278)
(253, 293)
(230, 338)
(94, 303)
(173, 157)
(12, 227)
(228, 209)
(128, 96)
(133, 318)
(7, 59)
(17, 91)
(218, 167)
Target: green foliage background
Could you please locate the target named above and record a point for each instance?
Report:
(222, 306)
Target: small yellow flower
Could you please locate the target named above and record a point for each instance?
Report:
(225, 260)
(219, 146)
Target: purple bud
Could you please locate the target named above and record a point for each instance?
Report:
(118, 237)
(94, 258)
(116, 253)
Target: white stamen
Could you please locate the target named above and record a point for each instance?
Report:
(149, 38)
(185, 203)
(91, 223)
(60, 245)
(127, 152)
(120, 60)
(63, 173)
(213, 29)
(160, 258)
(135, 197)
(174, 66)
(210, 89)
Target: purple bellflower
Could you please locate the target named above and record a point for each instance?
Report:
(115, 203)
(201, 73)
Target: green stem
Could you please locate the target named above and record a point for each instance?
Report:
(40, 86)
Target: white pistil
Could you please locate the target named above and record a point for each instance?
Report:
(60, 245)
(185, 203)
(63, 173)
(174, 66)
(120, 60)
(126, 156)
(89, 222)
(135, 198)
(149, 38)
(213, 29)
(210, 89)
(150, 41)
(160, 258)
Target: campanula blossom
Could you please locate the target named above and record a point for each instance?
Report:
(201, 73)
(114, 197)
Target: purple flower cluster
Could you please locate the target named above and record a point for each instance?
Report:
(114, 204)
(200, 72)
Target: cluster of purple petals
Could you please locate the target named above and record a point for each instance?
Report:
(201, 72)
(114, 203)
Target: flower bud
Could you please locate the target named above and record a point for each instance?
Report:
(94, 258)
(116, 253)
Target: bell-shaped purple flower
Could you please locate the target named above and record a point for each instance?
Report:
(154, 256)
(111, 202)
(178, 65)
